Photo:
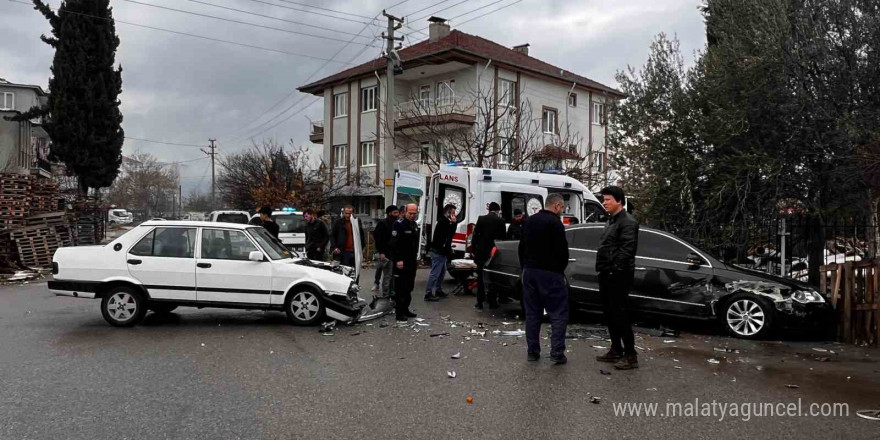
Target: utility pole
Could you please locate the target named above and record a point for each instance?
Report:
(213, 154)
(394, 24)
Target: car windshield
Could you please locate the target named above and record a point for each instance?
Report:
(119, 212)
(290, 223)
(273, 247)
(241, 219)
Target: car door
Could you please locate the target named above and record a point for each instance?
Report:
(224, 274)
(163, 261)
(582, 278)
(664, 281)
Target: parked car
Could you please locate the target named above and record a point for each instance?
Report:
(240, 217)
(119, 217)
(162, 265)
(675, 278)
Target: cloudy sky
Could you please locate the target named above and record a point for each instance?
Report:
(183, 89)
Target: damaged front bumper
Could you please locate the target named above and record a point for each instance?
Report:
(810, 316)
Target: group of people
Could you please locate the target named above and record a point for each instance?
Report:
(543, 255)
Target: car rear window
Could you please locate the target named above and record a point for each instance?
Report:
(232, 218)
(290, 223)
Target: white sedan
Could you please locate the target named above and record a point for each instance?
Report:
(161, 265)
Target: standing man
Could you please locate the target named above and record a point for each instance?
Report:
(490, 227)
(343, 238)
(317, 236)
(543, 254)
(382, 236)
(404, 248)
(441, 251)
(268, 222)
(615, 263)
(514, 231)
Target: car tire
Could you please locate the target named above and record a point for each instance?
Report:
(747, 316)
(304, 307)
(162, 308)
(123, 306)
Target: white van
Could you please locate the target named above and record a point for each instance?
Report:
(291, 228)
(118, 216)
(240, 217)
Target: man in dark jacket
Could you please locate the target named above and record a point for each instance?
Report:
(342, 237)
(615, 263)
(381, 237)
(440, 251)
(404, 249)
(489, 227)
(514, 231)
(317, 236)
(543, 255)
(268, 222)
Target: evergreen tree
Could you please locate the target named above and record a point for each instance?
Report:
(84, 121)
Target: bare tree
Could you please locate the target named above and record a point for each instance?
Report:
(145, 184)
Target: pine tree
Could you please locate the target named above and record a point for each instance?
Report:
(84, 120)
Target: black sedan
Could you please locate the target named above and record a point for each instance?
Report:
(675, 278)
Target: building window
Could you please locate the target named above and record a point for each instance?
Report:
(425, 152)
(8, 101)
(340, 105)
(507, 93)
(506, 152)
(599, 162)
(368, 154)
(548, 120)
(425, 95)
(572, 100)
(446, 92)
(598, 113)
(368, 99)
(573, 149)
(339, 156)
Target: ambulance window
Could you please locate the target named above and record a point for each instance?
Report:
(594, 213)
(451, 195)
(529, 204)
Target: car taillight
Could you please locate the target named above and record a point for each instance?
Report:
(54, 268)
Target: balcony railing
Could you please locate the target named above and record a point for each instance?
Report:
(435, 107)
(316, 132)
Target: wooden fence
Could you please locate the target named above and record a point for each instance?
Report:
(855, 296)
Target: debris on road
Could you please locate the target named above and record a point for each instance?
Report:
(328, 326)
(595, 399)
(713, 361)
(513, 333)
(456, 355)
(820, 350)
(440, 335)
(470, 400)
(605, 373)
(451, 374)
(792, 386)
(600, 347)
(725, 350)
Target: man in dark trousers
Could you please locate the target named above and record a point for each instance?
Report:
(489, 227)
(381, 237)
(514, 231)
(268, 222)
(343, 238)
(317, 236)
(543, 255)
(404, 248)
(441, 252)
(615, 263)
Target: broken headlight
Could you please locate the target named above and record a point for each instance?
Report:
(353, 291)
(807, 296)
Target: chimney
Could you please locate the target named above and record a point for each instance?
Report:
(522, 48)
(437, 29)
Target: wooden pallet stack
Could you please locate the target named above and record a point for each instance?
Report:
(44, 197)
(854, 290)
(88, 225)
(35, 245)
(55, 221)
(15, 192)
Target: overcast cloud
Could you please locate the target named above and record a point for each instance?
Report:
(182, 89)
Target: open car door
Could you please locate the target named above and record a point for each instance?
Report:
(409, 187)
(358, 250)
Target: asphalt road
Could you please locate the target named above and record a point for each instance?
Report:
(217, 374)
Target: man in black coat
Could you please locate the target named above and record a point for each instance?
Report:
(440, 251)
(543, 255)
(317, 236)
(342, 238)
(514, 231)
(382, 237)
(615, 263)
(404, 249)
(489, 227)
(268, 222)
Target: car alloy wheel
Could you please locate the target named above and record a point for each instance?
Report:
(746, 317)
(123, 307)
(304, 307)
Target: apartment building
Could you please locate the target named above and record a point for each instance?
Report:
(24, 145)
(459, 97)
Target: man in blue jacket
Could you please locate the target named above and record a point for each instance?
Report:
(543, 254)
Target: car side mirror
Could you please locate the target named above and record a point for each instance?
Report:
(695, 260)
(255, 256)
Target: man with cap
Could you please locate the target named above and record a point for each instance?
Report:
(489, 227)
(514, 231)
(381, 237)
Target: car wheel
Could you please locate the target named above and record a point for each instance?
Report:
(123, 307)
(748, 317)
(162, 308)
(304, 307)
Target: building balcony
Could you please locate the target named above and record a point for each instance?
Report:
(316, 132)
(432, 114)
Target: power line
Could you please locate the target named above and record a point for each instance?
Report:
(250, 46)
(240, 22)
(312, 12)
(490, 12)
(438, 11)
(428, 7)
(163, 142)
(325, 9)
(272, 18)
(475, 10)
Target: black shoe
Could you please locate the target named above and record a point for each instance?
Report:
(410, 314)
(612, 356)
(494, 305)
(441, 294)
(401, 320)
(558, 359)
(431, 298)
(628, 362)
(533, 357)
(479, 306)
(504, 300)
